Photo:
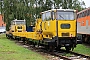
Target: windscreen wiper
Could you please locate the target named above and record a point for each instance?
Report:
(61, 16)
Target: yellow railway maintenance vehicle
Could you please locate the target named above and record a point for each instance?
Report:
(57, 28)
(16, 26)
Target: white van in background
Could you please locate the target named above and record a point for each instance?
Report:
(2, 30)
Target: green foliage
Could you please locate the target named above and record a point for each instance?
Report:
(30, 9)
(83, 49)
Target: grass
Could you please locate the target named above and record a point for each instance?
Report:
(82, 49)
(11, 51)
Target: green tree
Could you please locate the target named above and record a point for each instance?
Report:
(73, 4)
(30, 9)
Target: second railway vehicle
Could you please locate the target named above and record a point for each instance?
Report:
(83, 25)
(57, 28)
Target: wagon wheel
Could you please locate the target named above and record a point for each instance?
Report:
(86, 39)
(51, 48)
(68, 48)
(58, 48)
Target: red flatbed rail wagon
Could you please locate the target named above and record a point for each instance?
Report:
(83, 25)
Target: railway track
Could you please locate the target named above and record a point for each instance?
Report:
(77, 56)
(82, 55)
(57, 55)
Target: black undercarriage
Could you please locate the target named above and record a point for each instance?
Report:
(67, 42)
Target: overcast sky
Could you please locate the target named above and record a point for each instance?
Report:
(87, 3)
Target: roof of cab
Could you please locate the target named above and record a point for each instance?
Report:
(59, 10)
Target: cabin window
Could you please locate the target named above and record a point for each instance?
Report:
(20, 22)
(87, 12)
(80, 15)
(65, 15)
(48, 15)
(83, 14)
(43, 16)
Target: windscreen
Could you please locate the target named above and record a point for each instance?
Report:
(65, 15)
(20, 22)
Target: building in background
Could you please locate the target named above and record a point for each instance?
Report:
(2, 24)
